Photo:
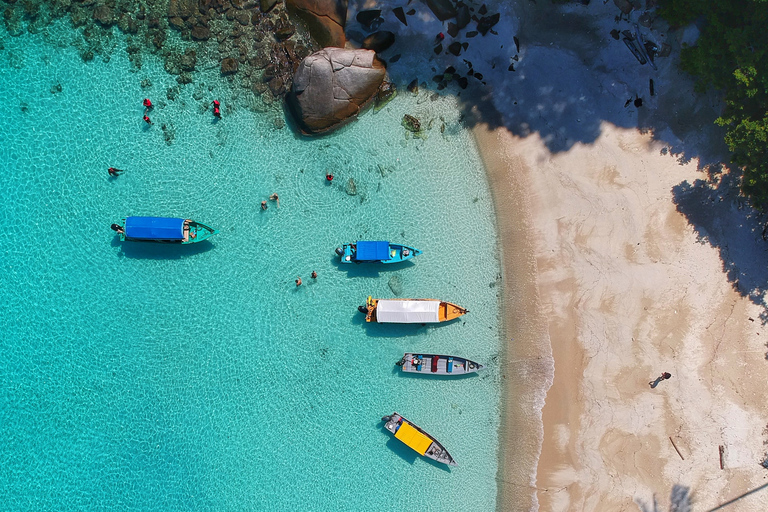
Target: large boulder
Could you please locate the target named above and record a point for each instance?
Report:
(332, 86)
(325, 19)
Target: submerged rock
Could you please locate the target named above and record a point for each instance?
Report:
(351, 187)
(332, 86)
(387, 91)
(396, 285)
(229, 66)
(411, 123)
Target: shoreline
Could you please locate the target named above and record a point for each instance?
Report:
(527, 367)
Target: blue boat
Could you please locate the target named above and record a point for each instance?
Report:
(366, 251)
(162, 230)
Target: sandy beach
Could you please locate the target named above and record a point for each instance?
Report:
(627, 248)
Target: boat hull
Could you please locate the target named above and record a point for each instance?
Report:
(435, 364)
(397, 254)
(431, 449)
(445, 312)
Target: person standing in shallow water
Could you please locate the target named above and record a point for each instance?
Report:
(147, 120)
(217, 109)
(298, 281)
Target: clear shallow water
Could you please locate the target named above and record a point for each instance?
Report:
(148, 377)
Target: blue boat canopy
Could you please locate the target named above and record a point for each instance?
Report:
(372, 251)
(154, 228)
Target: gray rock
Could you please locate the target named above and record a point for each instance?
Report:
(332, 86)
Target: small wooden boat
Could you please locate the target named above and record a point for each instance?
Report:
(416, 439)
(410, 311)
(433, 364)
(162, 230)
(365, 251)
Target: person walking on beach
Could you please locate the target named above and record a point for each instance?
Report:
(114, 172)
(663, 376)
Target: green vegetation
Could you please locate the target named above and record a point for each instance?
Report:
(732, 56)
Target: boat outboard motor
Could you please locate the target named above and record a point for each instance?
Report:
(116, 227)
(339, 251)
(362, 309)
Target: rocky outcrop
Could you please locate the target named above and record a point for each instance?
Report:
(325, 19)
(332, 86)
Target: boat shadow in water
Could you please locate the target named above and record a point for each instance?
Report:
(370, 269)
(377, 330)
(150, 251)
(426, 375)
(408, 455)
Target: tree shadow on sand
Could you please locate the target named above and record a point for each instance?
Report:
(723, 219)
(679, 501)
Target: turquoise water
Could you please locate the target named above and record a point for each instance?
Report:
(144, 377)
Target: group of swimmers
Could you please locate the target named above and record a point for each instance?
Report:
(298, 278)
(273, 197)
(149, 106)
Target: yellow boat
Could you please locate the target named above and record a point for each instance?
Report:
(410, 311)
(416, 439)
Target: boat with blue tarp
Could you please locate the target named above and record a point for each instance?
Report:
(164, 230)
(434, 364)
(416, 439)
(373, 251)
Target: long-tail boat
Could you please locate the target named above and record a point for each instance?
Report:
(410, 311)
(162, 230)
(416, 439)
(434, 364)
(367, 251)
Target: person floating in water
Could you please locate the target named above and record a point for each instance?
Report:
(298, 281)
(147, 120)
(264, 205)
(118, 228)
(114, 172)
(314, 275)
(329, 177)
(217, 109)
